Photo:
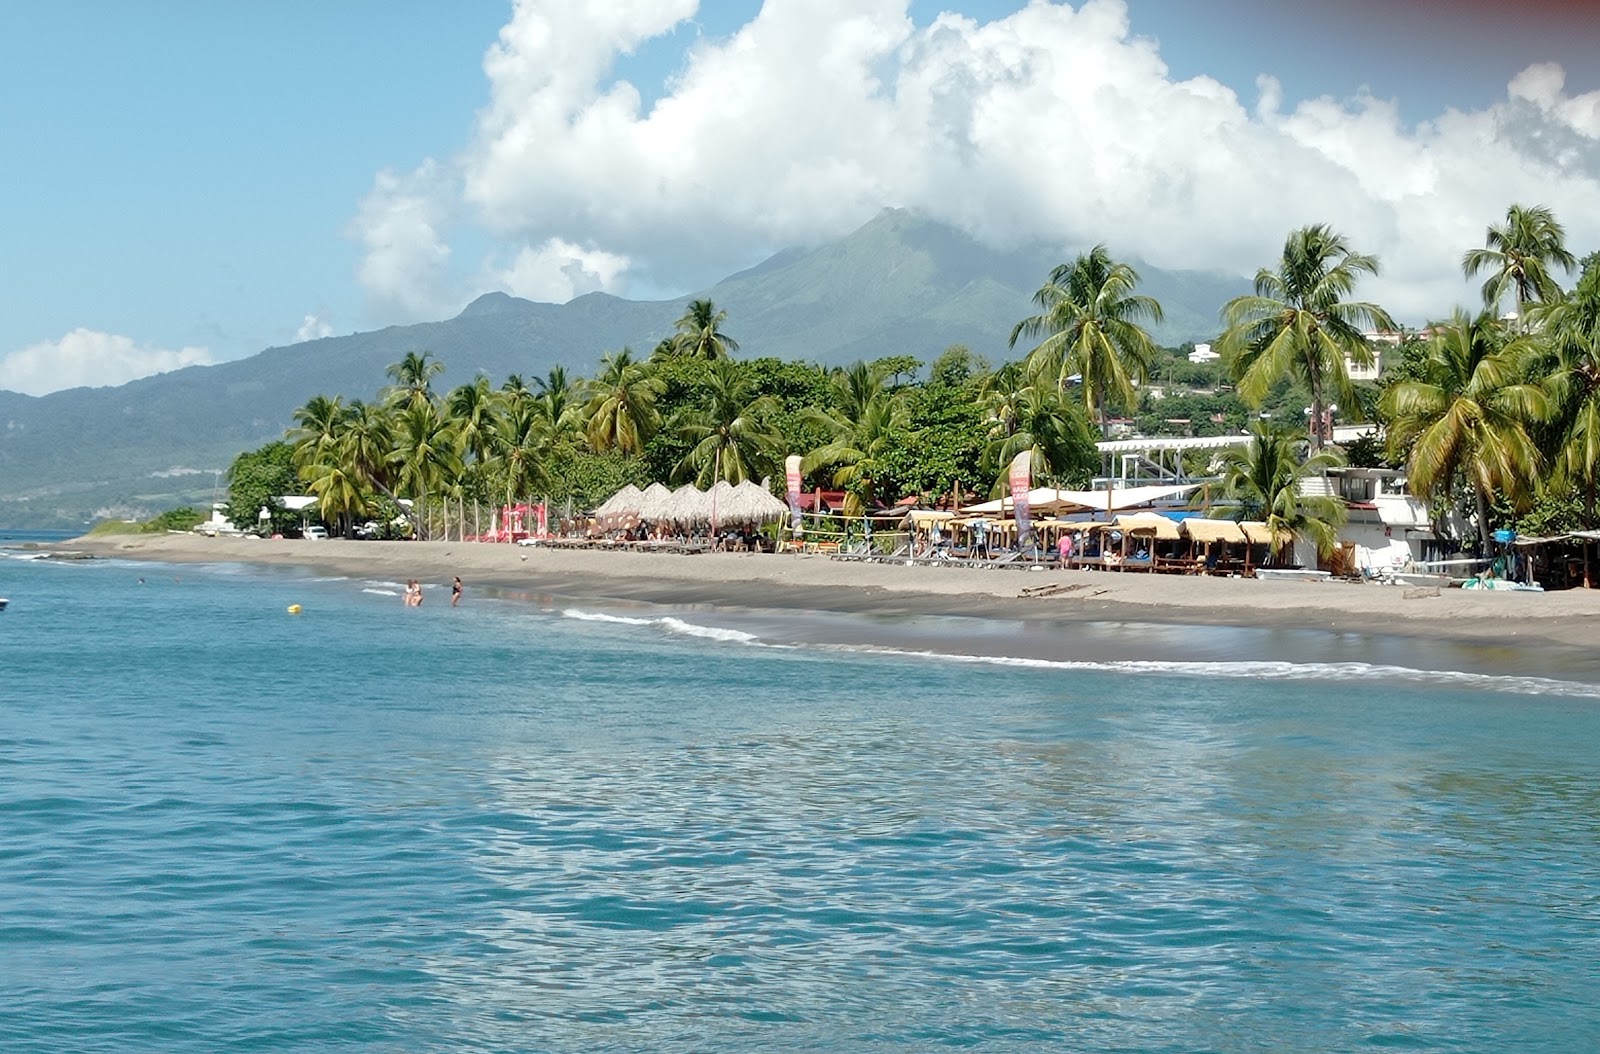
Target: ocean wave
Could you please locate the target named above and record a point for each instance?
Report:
(670, 624)
(1246, 669)
(381, 592)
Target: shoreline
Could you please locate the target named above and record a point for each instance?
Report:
(1566, 622)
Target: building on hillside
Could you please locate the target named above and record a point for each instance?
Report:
(1203, 354)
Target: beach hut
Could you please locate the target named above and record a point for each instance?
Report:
(687, 507)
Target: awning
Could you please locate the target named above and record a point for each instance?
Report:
(1257, 533)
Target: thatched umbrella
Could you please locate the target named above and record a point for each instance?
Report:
(653, 502)
(687, 506)
(624, 500)
(750, 502)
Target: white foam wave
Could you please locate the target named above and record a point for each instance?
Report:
(1269, 669)
(670, 624)
(382, 592)
(1264, 669)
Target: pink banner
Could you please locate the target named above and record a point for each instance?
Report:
(1021, 484)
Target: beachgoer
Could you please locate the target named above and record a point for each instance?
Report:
(455, 592)
(413, 594)
(1064, 546)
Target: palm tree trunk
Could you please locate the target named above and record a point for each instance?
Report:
(1483, 520)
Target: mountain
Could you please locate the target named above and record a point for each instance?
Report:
(901, 284)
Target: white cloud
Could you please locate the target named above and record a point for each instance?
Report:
(86, 358)
(315, 327)
(558, 270)
(1052, 124)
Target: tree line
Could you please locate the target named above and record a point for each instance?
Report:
(1495, 415)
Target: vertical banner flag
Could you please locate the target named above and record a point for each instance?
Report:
(791, 466)
(1020, 479)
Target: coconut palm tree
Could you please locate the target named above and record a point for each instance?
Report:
(558, 400)
(317, 427)
(1299, 323)
(413, 377)
(1467, 418)
(730, 435)
(699, 332)
(621, 412)
(471, 408)
(1262, 481)
(1520, 255)
(1089, 322)
(522, 444)
(1571, 330)
(862, 425)
(1041, 419)
(424, 456)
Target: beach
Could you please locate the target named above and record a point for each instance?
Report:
(1562, 621)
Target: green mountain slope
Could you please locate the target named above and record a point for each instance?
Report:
(901, 284)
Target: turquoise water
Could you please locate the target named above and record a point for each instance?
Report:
(536, 825)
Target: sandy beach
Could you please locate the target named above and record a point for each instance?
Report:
(1564, 620)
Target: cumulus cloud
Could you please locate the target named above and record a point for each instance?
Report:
(85, 358)
(1052, 125)
(315, 327)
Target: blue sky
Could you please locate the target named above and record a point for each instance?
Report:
(194, 182)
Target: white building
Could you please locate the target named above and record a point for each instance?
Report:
(1202, 354)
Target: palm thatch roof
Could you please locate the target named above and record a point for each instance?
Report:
(1163, 528)
(1207, 531)
(624, 500)
(1260, 534)
(653, 502)
(686, 506)
(750, 502)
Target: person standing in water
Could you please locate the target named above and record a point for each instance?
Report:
(455, 592)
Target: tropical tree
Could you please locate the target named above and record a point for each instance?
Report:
(472, 408)
(699, 332)
(413, 377)
(424, 456)
(1520, 255)
(521, 443)
(1467, 418)
(1299, 323)
(1571, 331)
(1037, 417)
(730, 435)
(862, 425)
(1262, 481)
(558, 401)
(1089, 321)
(318, 425)
(621, 412)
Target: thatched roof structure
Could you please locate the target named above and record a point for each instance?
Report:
(686, 505)
(653, 502)
(1260, 534)
(750, 502)
(1208, 531)
(624, 500)
(1149, 523)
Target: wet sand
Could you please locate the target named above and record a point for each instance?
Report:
(1565, 621)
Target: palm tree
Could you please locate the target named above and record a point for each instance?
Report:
(1571, 328)
(472, 410)
(424, 455)
(1467, 418)
(413, 377)
(1038, 418)
(621, 412)
(731, 437)
(558, 401)
(1089, 321)
(522, 444)
(699, 332)
(317, 427)
(1519, 255)
(1263, 482)
(1298, 323)
(865, 420)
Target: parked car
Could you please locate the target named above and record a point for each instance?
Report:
(316, 534)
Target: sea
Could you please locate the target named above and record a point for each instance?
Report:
(539, 823)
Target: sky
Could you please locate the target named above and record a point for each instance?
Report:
(192, 183)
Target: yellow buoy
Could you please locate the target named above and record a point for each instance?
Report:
(294, 609)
